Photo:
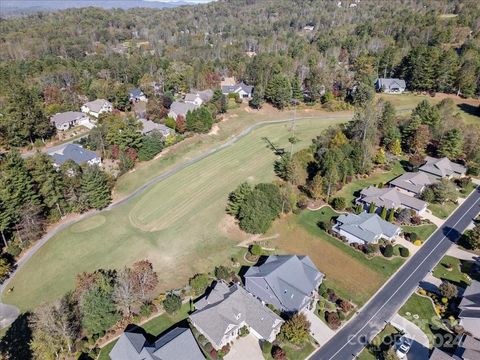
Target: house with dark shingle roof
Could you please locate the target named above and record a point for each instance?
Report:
(288, 282)
(390, 198)
(442, 168)
(365, 228)
(76, 153)
(243, 90)
(136, 94)
(225, 310)
(390, 86)
(177, 344)
(412, 183)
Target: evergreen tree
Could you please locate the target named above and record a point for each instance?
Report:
(257, 98)
(427, 114)
(96, 188)
(451, 145)
(447, 72)
(279, 91)
(48, 181)
(199, 120)
(297, 93)
(391, 216)
(237, 197)
(371, 208)
(152, 145)
(383, 213)
(396, 147)
(16, 189)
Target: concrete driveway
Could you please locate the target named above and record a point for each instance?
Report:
(420, 346)
(244, 348)
(318, 329)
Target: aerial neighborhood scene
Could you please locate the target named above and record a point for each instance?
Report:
(240, 180)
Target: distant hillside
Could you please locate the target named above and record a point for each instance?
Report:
(27, 7)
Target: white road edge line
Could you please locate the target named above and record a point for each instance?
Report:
(408, 278)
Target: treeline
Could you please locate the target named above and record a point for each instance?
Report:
(54, 62)
(34, 193)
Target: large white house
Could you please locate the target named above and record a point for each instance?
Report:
(74, 152)
(390, 86)
(244, 91)
(66, 120)
(97, 107)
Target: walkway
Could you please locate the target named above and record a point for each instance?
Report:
(420, 346)
(427, 214)
(172, 171)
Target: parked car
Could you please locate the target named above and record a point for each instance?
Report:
(402, 346)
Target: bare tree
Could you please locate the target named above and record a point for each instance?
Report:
(31, 224)
(124, 293)
(144, 279)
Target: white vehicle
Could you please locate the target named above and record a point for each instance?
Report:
(402, 346)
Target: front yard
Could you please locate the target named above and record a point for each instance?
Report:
(423, 231)
(420, 311)
(292, 352)
(453, 270)
(380, 343)
(442, 210)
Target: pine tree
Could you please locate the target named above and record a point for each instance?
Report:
(95, 188)
(451, 145)
(383, 213)
(279, 91)
(296, 89)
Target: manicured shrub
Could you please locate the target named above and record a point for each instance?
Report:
(222, 273)
(417, 242)
(345, 305)
(341, 315)
(416, 220)
(243, 331)
(199, 283)
(332, 320)
(295, 330)
(388, 251)
(255, 250)
(372, 248)
(332, 297)
(325, 225)
(278, 353)
(322, 290)
(208, 347)
(413, 236)
(448, 290)
(404, 252)
(172, 303)
(338, 203)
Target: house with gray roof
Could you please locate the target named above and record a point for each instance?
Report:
(199, 97)
(470, 309)
(365, 228)
(390, 198)
(243, 90)
(74, 152)
(412, 183)
(181, 108)
(442, 168)
(136, 94)
(288, 282)
(468, 348)
(390, 86)
(177, 344)
(149, 126)
(225, 310)
(97, 107)
(66, 120)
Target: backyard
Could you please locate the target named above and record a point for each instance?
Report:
(299, 234)
(179, 224)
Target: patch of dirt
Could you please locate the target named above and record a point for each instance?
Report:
(215, 129)
(228, 226)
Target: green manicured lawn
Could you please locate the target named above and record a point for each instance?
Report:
(376, 345)
(457, 273)
(350, 191)
(423, 231)
(293, 352)
(299, 234)
(442, 210)
(154, 327)
(179, 224)
(428, 320)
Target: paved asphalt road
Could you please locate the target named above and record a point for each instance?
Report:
(371, 319)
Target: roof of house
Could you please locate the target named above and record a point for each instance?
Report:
(135, 92)
(237, 87)
(365, 226)
(73, 152)
(413, 181)
(66, 117)
(149, 126)
(471, 296)
(438, 354)
(468, 348)
(290, 278)
(442, 167)
(177, 344)
(390, 198)
(181, 108)
(225, 306)
(96, 105)
(388, 82)
(205, 95)
(191, 97)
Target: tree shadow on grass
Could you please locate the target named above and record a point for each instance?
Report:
(469, 109)
(15, 345)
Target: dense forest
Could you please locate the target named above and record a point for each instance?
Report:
(93, 52)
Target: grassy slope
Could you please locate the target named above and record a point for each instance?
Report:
(180, 223)
(299, 234)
